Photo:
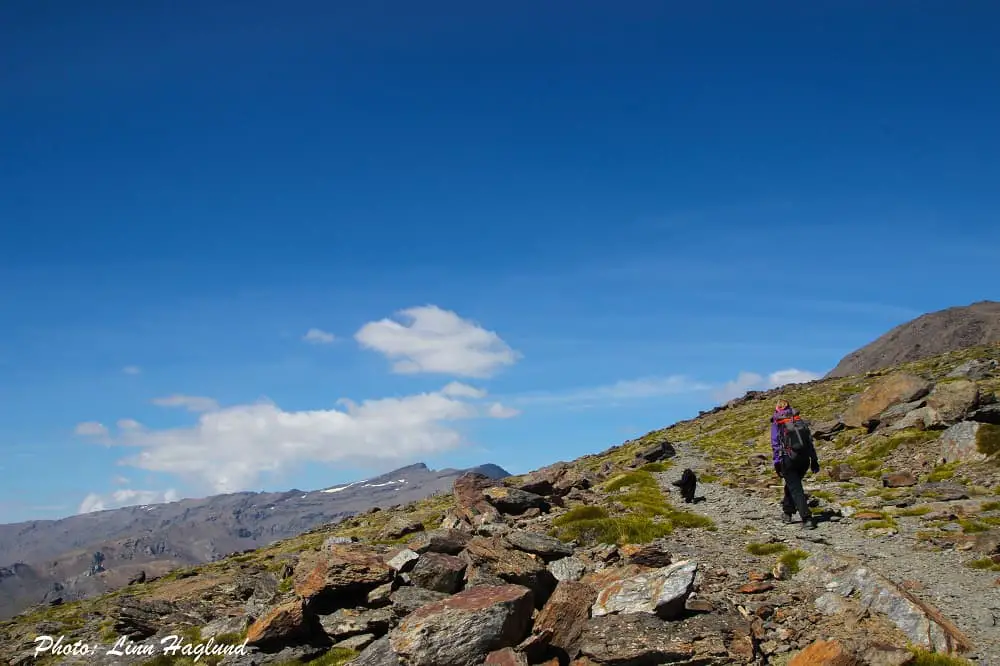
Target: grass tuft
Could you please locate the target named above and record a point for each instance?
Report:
(765, 548)
(793, 559)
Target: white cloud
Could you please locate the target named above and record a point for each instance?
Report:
(125, 497)
(128, 424)
(192, 403)
(626, 389)
(437, 341)
(318, 336)
(131, 370)
(751, 381)
(231, 448)
(91, 429)
(499, 411)
(460, 390)
(121, 481)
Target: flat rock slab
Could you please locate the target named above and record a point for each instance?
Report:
(340, 571)
(546, 547)
(660, 591)
(463, 629)
(565, 615)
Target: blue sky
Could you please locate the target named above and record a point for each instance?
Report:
(534, 230)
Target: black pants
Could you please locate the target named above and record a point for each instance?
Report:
(795, 496)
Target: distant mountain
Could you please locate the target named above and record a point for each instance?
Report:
(48, 559)
(927, 335)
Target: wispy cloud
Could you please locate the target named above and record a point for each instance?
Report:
(318, 336)
(751, 381)
(192, 403)
(437, 341)
(620, 391)
(125, 497)
(132, 370)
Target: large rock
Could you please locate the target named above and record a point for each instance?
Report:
(513, 501)
(951, 401)
(139, 619)
(379, 653)
(641, 639)
(349, 622)
(826, 653)
(657, 452)
(399, 526)
(405, 600)
(564, 615)
(283, 624)
(543, 481)
(842, 472)
(987, 414)
(335, 578)
(660, 591)
(546, 547)
(449, 542)
(487, 556)
(923, 624)
(899, 480)
(463, 629)
(978, 368)
(884, 393)
(505, 657)
(655, 555)
(970, 441)
(439, 572)
(568, 568)
(471, 504)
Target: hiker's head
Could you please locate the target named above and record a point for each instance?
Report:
(781, 405)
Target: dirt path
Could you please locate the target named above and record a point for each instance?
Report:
(968, 597)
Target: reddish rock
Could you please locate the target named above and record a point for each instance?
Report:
(280, 624)
(505, 657)
(341, 571)
(471, 504)
(465, 628)
(447, 541)
(884, 393)
(399, 526)
(758, 576)
(826, 653)
(565, 615)
(756, 588)
(887, 655)
(654, 555)
(439, 572)
(842, 472)
(899, 480)
(488, 556)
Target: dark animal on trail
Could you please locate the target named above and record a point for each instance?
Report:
(687, 484)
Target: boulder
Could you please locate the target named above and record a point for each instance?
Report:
(568, 568)
(660, 591)
(899, 480)
(564, 615)
(826, 653)
(349, 622)
(885, 392)
(403, 560)
(827, 429)
(405, 600)
(546, 547)
(879, 654)
(655, 555)
(978, 368)
(471, 505)
(514, 502)
(921, 418)
(970, 441)
(987, 414)
(463, 629)
(646, 639)
(338, 576)
(283, 624)
(505, 657)
(439, 572)
(399, 526)
(842, 472)
(139, 619)
(951, 401)
(447, 541)
(355, 643)
(379, 653)
(487, 556)
(657, 452)
(543, 481)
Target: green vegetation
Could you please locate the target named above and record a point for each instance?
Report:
(792, 559)
(913, 511)
(646, 515)
(824, 495)
(657, 466)
(765, 548)
(708, 477)
(885, 523)
(972, 526)
(942, 472)
(925, 658)
(991, 506)
(984, 563)
(988, 439)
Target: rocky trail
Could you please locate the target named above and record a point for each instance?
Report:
(968, 597)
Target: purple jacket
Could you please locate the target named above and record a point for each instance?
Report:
(775, 444)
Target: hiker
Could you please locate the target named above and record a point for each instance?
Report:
(794, 455)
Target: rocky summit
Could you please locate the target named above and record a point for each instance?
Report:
(599, 562)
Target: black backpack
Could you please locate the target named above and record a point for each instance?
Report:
(795, 436)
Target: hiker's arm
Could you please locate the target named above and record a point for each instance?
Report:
(813, 458)
(775, 447)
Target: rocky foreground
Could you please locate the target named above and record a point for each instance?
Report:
(599, 562)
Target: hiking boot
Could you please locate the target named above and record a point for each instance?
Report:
(786, 518)
(809, 524)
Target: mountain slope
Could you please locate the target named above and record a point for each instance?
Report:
(928, 335)
(906, 552)
(54, 557)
